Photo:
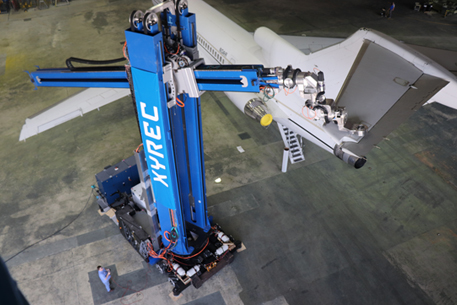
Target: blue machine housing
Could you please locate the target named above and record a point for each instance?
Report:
(120, 177)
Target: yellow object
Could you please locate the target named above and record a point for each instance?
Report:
(266, 120)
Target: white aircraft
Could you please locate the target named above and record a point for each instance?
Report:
(373, 83)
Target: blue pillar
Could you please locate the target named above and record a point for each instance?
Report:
(146, 59)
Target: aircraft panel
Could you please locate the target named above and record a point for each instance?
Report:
(377, 80)
(424, 88)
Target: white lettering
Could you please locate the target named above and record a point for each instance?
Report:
(157, 164)
(157, 154)
(150, 132)
(160, 178)
(244, 81)
(154, 118)
(153, 147)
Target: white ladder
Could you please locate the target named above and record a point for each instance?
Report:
(293, 142)
(40, 3)
(56, 3)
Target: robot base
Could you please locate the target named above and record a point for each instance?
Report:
(216, 252)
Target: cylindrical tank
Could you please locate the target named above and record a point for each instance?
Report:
(192, 271)
(221, 235)
(221, 249)
(179, 269)
(255, 108)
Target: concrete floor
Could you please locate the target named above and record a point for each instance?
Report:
(323, 233)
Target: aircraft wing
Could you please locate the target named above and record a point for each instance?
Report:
(70, 108)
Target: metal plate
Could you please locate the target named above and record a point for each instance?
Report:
(377, 80)
(413, 99)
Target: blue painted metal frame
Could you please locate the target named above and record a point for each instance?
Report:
(153, 116)
(228, 80)
(188, 142)
(188, 28)
(83, 79)
(146, 59)
(211, 80)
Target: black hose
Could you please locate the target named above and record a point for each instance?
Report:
(99, 69)
(91, 62)
(178, 23)
(325, 112)
(319, 95)
(284, 74)
(294, 77)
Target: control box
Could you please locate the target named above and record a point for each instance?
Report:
(117, 179)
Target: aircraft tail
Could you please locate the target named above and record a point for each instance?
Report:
(276, 50)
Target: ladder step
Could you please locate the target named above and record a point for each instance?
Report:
(296, 160)
(290, 139)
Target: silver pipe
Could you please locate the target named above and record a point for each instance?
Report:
(285, 159)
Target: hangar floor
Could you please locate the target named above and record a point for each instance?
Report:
(323, 233)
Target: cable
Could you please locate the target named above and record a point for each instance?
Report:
(179, 103)
(287, 92)
(138, 148)
(70, 61)
(168, 52)
(181, 263)
(221, 257)
(58, 231)
(268, 93)
(188, 257)
(162, 252)
(173, 218)
(178, 23)
(308, 117)
(165, 235)
(124, 51)
(327, 120)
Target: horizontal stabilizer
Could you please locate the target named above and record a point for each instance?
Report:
(70, 108)
(382, 90)
(308, 45)
(447, 59)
